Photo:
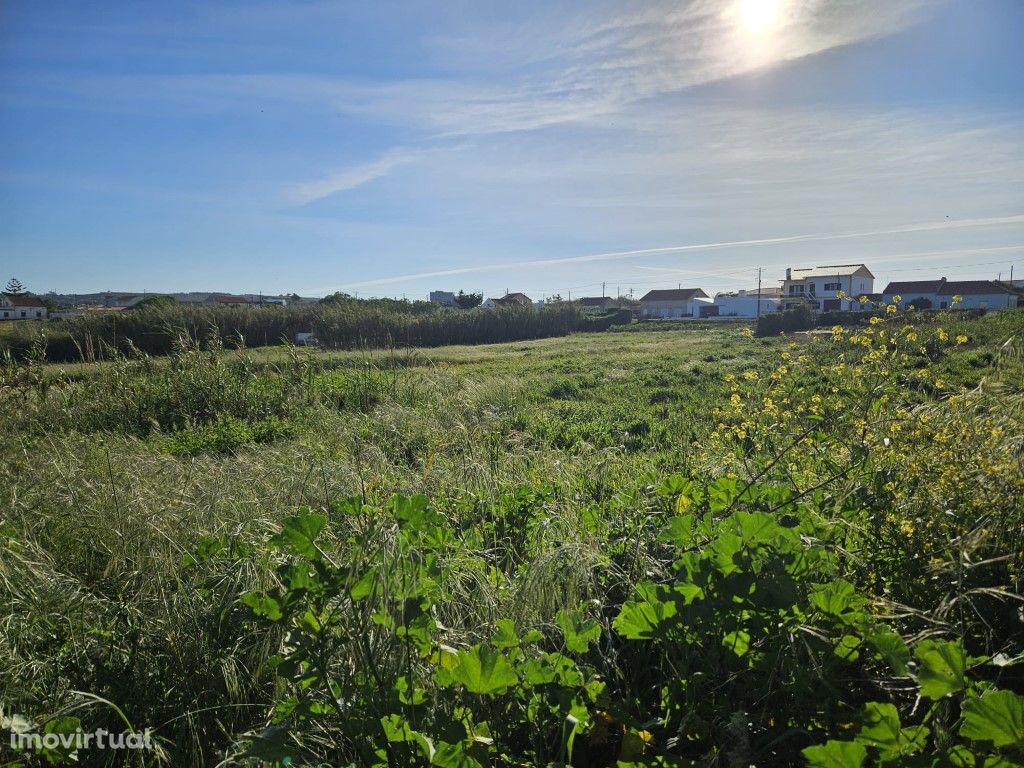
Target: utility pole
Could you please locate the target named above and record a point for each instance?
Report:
(759, 292)
(602, 289)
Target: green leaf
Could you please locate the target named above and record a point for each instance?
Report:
(738, 642)
(881, 729)
(578, 634)
(755, 527)
(505, 635)
(679, 531)
(836, 754)
(262, 605)
(299, 532)
(453, 756)
(364, 587)
(642, 618)
(892, 648)
(942, 668)
(481, 669)
(398, 730)
(997, 716)
(837, 598)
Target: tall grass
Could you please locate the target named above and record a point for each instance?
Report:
(339, 325)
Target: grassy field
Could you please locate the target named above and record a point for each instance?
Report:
(676, 546)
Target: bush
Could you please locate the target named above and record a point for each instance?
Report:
(342, 324)
(799, 318)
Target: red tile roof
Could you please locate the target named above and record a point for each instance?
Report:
(24, 300)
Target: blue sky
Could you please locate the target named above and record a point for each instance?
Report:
(392, 148)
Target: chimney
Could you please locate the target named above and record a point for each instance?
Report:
(789, 273)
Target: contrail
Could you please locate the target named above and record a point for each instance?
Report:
(616, 255)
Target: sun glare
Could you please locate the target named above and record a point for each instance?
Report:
(758, 16)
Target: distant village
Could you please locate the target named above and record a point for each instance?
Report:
(833, 287)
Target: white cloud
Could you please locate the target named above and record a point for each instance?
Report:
(350, 178)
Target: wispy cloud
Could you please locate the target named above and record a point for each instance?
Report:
(350, 178)
(948, 224)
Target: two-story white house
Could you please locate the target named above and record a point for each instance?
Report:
(819, 286)
(21, 307)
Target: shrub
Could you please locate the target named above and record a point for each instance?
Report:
(799, 318)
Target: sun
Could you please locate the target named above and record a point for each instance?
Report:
(758, 17)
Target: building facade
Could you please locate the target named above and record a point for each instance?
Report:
(676, 302)
(939, 294)
(21, 307)
(747, 303)
(827, 288)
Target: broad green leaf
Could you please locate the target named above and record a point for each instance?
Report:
(836, 754)
(847, 648)
(481, 669)
(837, 598)
(364, 587)
(723, 552)
(299, 533)
(997, 716)
(722, 492)
(453, 756)
(505, 635)
(398, 730)
(942, 668)
(262, 605)
(678, 531)
(643, 618)
(578, 633)
(892, 648)
(755, 527)
(738, 642)
(881, 729)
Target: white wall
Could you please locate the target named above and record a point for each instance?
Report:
(982, 301)
(744, 306)
(22, 313)
(656, 309)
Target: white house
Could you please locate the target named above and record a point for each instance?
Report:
(21, 307)
(747, 303)
(675, 302)
(938, 294)
(595, 304)
(819, 286)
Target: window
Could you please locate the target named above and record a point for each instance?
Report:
(833, 286)
(795, 289)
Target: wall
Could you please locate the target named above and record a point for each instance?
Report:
(654, 309)
(744, 306)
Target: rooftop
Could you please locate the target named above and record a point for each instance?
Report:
(675, 294)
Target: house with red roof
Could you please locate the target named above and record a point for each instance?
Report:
(674, 302)
(21, 306)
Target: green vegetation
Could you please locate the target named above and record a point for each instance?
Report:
(675, 546)
(338, 322)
